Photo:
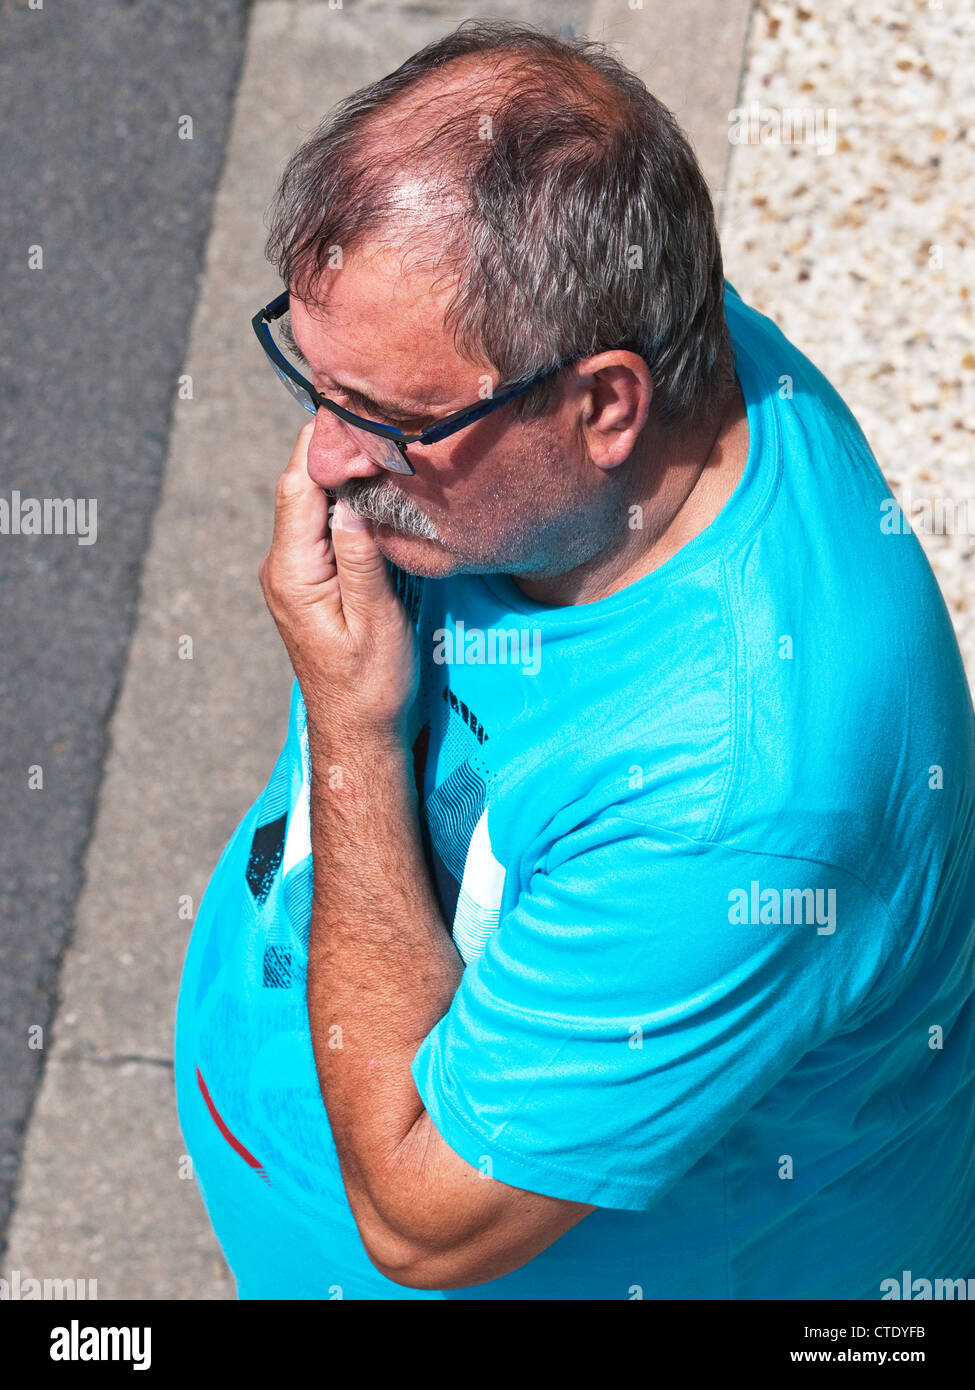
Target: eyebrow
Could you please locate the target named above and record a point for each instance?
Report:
(390, 408)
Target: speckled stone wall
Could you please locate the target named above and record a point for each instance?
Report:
(851, 224)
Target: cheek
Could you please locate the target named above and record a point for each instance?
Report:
(501, 481)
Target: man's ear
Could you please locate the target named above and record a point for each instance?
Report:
(618, 391)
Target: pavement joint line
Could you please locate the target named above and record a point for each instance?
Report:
(112, 1060)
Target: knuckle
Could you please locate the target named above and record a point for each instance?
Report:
(287, 486)
(268, 575)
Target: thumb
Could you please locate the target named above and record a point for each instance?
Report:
(364, 582)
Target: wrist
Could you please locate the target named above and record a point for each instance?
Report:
(348, 739)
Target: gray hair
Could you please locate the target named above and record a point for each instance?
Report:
(558, 196)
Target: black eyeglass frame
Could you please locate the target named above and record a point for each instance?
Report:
(441, 429)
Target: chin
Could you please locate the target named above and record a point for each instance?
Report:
(431, 559)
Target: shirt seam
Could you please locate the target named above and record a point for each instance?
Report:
(769, 854)
(607, 1186)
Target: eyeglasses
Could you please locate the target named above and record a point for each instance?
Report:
(384, 445)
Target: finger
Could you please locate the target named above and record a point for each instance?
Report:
(364, 580)
(301, 507)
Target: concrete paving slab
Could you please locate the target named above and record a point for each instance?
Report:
(97, 1215)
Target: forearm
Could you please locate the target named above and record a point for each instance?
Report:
(382, 968)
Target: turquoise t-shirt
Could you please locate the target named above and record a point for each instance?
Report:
(707, 851)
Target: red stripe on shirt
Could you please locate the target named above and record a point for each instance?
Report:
(231, 1139)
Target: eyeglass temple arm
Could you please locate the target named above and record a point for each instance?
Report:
(276, 309)
(475, 412)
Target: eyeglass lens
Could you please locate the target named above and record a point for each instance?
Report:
(383, 452)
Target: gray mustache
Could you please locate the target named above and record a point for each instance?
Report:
(384, 502)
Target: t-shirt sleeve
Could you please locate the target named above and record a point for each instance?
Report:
(643, 992)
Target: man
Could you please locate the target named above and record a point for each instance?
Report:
(605, 928)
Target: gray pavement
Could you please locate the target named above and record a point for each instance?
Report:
(104, 1189)
(96, 176)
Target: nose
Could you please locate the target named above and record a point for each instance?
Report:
(334, 456)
